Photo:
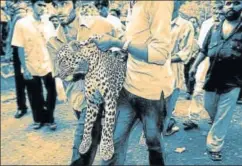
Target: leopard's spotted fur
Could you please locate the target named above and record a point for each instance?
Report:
(105, 74)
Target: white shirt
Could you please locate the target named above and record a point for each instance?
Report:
(206, 26)
(203, 67)
(33, 35)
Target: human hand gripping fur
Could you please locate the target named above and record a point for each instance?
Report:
(105, 77)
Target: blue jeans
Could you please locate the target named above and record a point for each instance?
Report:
(220, 108)
(151, 114)
(170, 106)
(87, 158)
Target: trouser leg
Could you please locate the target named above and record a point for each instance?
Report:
(50, 102)
(36, 98)
(20, 83)
(225, 108)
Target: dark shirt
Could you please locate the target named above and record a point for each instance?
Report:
(225, 70)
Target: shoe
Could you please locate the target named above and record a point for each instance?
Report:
(52, 126)
(190, 125)
(37, 125)
(215, 156)
(239, 101)
(171, 129)
(20, 113)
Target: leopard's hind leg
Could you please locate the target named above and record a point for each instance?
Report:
(106, 146)
(91, 116)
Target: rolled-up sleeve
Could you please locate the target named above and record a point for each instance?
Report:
(160, 13)
(186, 44)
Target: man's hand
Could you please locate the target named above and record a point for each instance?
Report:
(8, 54)
(192, 73)
(237, 48)
(27, 75)
(105, 43)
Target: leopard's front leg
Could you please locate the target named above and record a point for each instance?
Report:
(91, 116)
(106, 146)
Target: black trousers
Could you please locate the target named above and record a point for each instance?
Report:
(20, 83)
(189, 84)
(42, 109)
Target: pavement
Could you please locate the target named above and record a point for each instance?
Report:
(20, 145)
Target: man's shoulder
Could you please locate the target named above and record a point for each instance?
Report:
(102, 21)
(23, 20)
(185, 23)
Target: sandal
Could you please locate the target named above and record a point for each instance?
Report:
(188, 125)
(172, 128)
(215, 156)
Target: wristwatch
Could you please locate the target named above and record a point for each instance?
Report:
(126, 45)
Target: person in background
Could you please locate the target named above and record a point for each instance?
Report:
(223, 46)
(196, 105)
(31, 34)
(196, 26)
(74, 27)
(148, 80)
(103, 8)
(55, 21)
(182, 35)
(17, 10)
(195, 49)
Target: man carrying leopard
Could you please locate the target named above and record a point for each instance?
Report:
(105, 76)
(74, 28)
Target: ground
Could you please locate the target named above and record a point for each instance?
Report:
(21, 145)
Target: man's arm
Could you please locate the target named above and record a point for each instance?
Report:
(157, 50)
(186, 44)
(202, 55)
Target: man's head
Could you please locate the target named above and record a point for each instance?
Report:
(115, 13)
(39, 6)
(55, 21)
(217, 10)
(103, 7)
(232, 9)
(65, 10)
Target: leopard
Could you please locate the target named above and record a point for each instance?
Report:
(105, 75)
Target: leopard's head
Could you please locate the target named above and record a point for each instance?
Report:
(76, 58)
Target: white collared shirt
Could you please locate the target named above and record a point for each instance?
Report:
(33, 35)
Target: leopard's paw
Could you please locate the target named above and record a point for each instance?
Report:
(106, 150)
(85, 145)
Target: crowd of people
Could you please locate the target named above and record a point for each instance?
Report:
(166, 54)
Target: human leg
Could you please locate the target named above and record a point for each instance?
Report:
(225, 107)
(169, 122)
(49, 83)
(152, 114)
(125, 119)
(19, 84)
(36, 98)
